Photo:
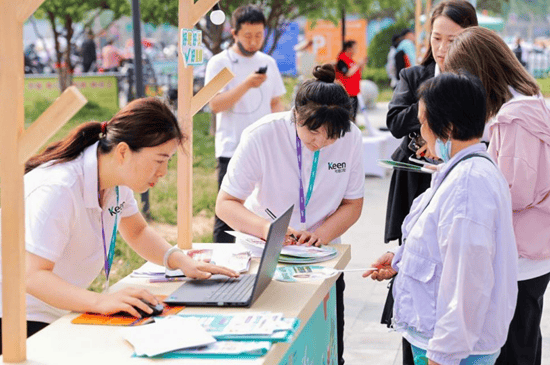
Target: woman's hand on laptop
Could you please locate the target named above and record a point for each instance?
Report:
(204, 270)
(200, 269)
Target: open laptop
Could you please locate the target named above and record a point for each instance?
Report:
(221, 291)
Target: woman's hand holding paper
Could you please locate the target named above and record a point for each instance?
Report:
(385, 270)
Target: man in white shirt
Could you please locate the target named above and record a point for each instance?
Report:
(254, 92)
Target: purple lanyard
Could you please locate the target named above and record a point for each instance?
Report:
(304, 201)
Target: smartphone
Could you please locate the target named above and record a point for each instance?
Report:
(262, 70)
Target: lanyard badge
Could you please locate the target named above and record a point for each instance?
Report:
(110, 256)
(305, 200)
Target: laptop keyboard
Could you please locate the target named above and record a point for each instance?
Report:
(234, 290)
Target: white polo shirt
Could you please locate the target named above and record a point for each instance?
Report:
(264, 171)
(253, 105)
(63, 223)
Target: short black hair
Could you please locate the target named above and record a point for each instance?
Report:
(455, 105)
(320, 102)
(247, 14)
(349, 44)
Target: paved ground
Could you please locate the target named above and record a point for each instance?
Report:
(366, 340)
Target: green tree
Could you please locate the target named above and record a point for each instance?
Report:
(278, 14)
(63, 15)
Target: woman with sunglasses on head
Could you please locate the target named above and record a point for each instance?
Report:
(448, 19)
(311, 157)
(455, 288)
(79, 192)
(519, 128)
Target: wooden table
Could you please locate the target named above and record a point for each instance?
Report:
(315, 342)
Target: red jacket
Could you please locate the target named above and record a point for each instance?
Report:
(351, 84)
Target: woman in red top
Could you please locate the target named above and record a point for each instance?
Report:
(348, 72)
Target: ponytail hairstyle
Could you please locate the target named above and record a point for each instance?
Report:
(145, 122)
(320, 102)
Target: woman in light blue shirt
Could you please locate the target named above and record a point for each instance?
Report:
(455, 289)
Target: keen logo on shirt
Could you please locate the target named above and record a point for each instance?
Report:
(337, 167)
(116, 209)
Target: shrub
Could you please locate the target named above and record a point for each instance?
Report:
(380, 44)
(378, 75)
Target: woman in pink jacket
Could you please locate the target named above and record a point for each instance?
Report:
(519, 126)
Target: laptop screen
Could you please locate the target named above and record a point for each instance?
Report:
(272, 250)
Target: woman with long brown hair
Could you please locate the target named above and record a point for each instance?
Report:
(448, 19)
(79, 192)
(519, 128)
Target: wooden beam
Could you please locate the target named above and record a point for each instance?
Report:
(187, 107)
(427, 25)
(185, 117)
(27, 8)
(200, 8)
(14, 328)
(210, 90)
(59, 113)
(417, 28)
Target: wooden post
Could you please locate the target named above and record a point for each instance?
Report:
(427, 24)
(17, 146)
(417, 28)
(189, 14)
(14, 327)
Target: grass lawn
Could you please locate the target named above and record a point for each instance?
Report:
(544, 86)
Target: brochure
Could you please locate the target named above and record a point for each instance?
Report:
(247, 326)
(170, 334)
(294, 274)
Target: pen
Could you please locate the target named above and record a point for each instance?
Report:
(165, 280)
(273, 216)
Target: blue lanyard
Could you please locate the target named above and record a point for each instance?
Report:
(305, 201)
(109, 258)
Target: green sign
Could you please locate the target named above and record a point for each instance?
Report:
(102, 90)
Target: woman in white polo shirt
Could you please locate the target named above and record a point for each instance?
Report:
(78, 193)
(312, 154)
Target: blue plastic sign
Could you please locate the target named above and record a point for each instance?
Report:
(191, 47)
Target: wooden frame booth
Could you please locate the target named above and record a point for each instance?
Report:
(19, 144)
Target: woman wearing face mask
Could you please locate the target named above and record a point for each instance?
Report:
(455, 289)
(79, 192)
(310, 154)
(448, 19)
(519, 127)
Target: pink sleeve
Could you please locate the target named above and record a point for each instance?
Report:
(513, 150)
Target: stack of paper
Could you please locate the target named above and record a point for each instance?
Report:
(169, 334)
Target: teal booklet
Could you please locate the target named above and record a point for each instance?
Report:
(222, 349)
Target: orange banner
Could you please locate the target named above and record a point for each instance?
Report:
(327, 38)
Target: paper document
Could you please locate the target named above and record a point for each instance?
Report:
(169, 334)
